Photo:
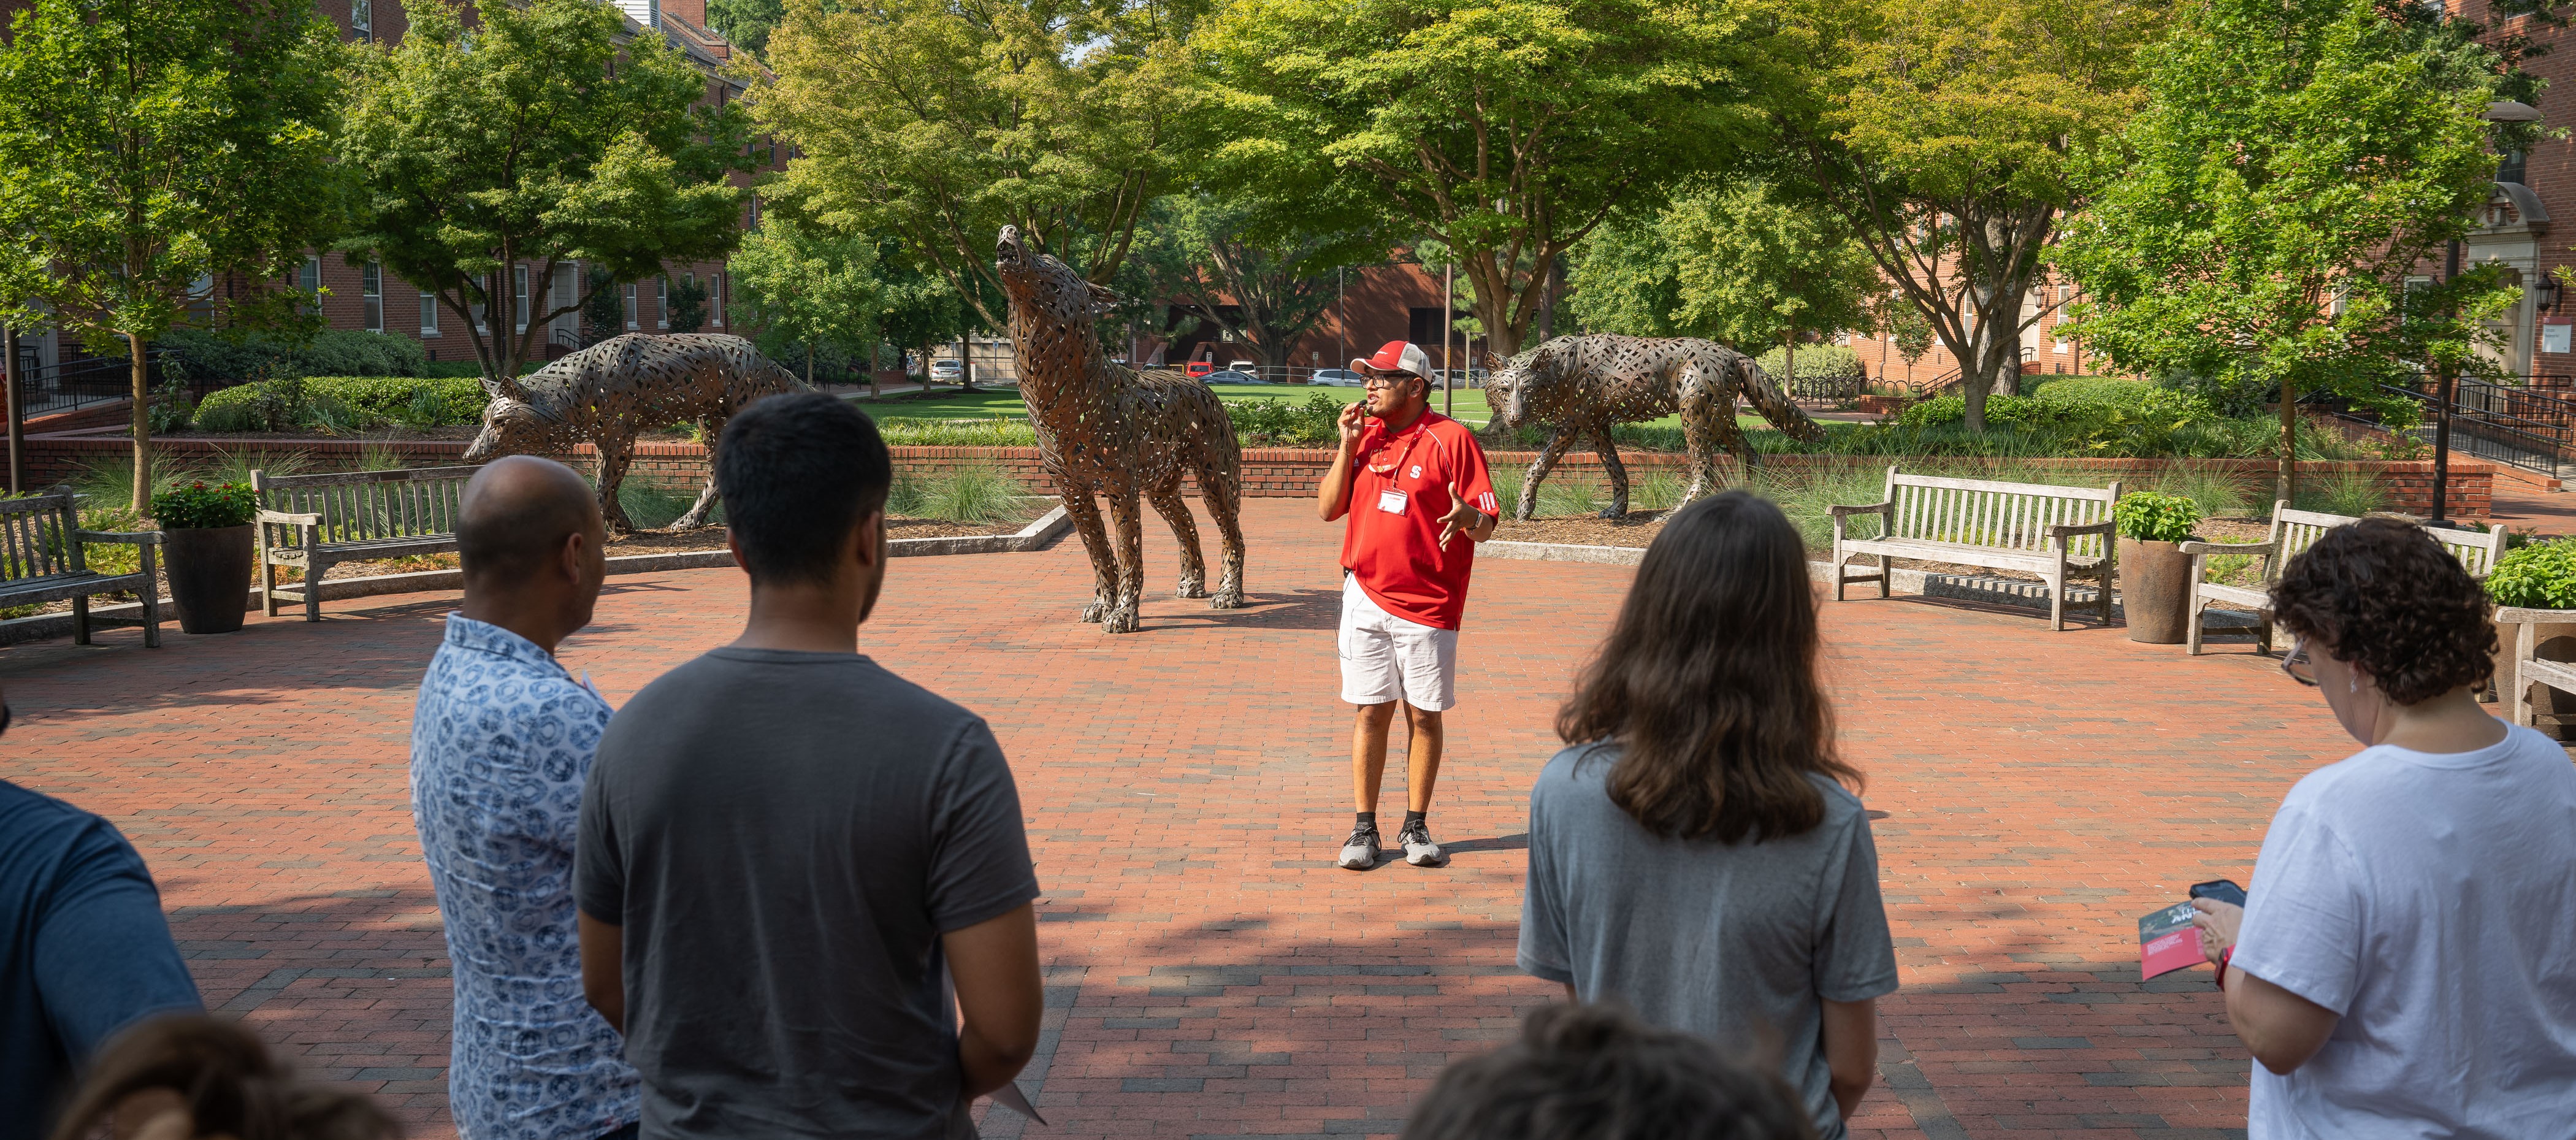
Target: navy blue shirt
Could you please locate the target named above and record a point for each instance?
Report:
(84, 951)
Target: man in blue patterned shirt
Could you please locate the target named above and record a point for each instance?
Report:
(502, 741)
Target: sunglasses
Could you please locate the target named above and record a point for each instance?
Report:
(2298, 666)
(1388, 381)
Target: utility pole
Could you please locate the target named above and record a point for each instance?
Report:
(17, 415)
(1341, 317)
(2445, 379)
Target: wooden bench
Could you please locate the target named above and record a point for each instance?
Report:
(41, 560)
(2058, 533)
(2523, 660)
(2293, 531)
(312, 522)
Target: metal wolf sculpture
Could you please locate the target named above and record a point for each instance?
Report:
(603, 395)
(1105, 429)
(1580, 386)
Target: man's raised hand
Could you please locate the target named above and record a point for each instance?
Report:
(1354, 421)
(1461, 518)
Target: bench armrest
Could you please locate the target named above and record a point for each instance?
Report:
(290, 519)
(1870, 509)
(133, 537)
(2070, 530)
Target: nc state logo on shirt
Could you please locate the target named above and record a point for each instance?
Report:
(1416, 473)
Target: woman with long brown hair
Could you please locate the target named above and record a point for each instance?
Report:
(1693, 850)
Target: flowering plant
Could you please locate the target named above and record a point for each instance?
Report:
(200, 505)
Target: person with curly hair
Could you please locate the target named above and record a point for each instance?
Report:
(183, 1076)
(2403, 965)
(1693, 850)
(1595, 1072)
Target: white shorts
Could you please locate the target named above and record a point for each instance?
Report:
(1385, 657)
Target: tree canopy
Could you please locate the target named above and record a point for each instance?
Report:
(1943, 130)
(2255, 225)
(1509, 129)
(149, 148)
(540, 139)
(938, 123)
(1211, 253)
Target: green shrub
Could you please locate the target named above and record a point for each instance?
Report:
(2541, 575)
(957, 433)
(343, 403)
(971, 494)
(1313, 423)
(2151, 517)
(202, 506)
(2342, 493)
(1816, 362)
(229, 356)
(652, 504)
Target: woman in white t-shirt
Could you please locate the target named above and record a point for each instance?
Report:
(2405, 963)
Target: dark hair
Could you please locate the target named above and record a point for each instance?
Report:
(228, 1080)
(798, 472)
(1708, 681)
(510, 530)
(2382, 595)
(1597, 1073)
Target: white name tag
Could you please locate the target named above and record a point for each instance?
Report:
(1391, 501)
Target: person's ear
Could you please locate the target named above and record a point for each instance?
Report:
(867, 544)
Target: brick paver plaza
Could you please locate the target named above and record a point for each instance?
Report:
(1210, 972)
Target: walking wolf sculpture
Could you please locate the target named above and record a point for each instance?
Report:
(604, 394)
(1105, 429)
(1580, 386)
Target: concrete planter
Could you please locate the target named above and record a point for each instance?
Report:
(209, 574)
(2155, 590)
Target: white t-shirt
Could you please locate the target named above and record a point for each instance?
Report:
(2430, 899)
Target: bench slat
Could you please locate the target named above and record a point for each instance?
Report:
(2041, 490)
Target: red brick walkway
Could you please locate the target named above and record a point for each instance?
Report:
(1210, 973)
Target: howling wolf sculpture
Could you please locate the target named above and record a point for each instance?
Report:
(1580, 386)
(1107, 430)
(603, 395)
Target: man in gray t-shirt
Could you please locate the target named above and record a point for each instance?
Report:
(786, 852)
(1741, 942)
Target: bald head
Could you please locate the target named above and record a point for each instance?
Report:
(518, 512)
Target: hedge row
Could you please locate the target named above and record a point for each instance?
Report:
(418, 401)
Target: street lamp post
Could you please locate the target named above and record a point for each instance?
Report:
(2446, 380)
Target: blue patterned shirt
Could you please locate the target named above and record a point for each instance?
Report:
(501, 742)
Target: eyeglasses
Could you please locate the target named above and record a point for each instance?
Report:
(2297, 665)
(1387, 381)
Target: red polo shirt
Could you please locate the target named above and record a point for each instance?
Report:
(1399, 489)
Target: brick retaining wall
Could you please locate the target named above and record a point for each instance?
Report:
(1278, 472)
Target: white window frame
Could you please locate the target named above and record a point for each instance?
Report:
(632, 316)
(428, 313)
(519, 283)
(362, 19)
(371, 296)
(483, 308)
(662, 301)
(715, 300)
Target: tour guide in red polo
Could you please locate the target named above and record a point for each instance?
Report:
(1414, 485)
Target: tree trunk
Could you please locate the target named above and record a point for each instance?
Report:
(1788, 360)
(2285, 475)
(142, 424)
(965, 364)
(809, 364)
(17, 415)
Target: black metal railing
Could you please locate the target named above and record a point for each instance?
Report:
(85, 382)
(2527, 421)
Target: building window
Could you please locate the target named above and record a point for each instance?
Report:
(715, 299)
(662, 302)
(371, 292)
(428, 313)
(630, 307)
(2513, 167)
(362, 19)
(519, 290)
(751, 215)
(309, 279)
(482, 305)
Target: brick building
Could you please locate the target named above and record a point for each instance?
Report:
(366, 296)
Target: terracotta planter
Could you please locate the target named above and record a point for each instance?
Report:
(2155, 590)
(209, 576)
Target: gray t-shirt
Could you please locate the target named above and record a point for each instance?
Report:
(1737, 942)
(783, 837)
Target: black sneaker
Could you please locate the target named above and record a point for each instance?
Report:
(1419, 850)
(1359, 852)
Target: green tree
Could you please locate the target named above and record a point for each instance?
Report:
(1508, 130)
(151, 147)
(1261, 286)
(1732, 263)
(937, 123)
(808, 288)
(2256, 223)
(603, 306)
(688, 306)
(745, 23)
(539, 140)
(1941, 131)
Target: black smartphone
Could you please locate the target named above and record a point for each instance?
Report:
(2224, 890)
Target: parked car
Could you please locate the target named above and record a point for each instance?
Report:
(1467, 377)
(948, 372)
(1234, 376)
(1338, 378)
